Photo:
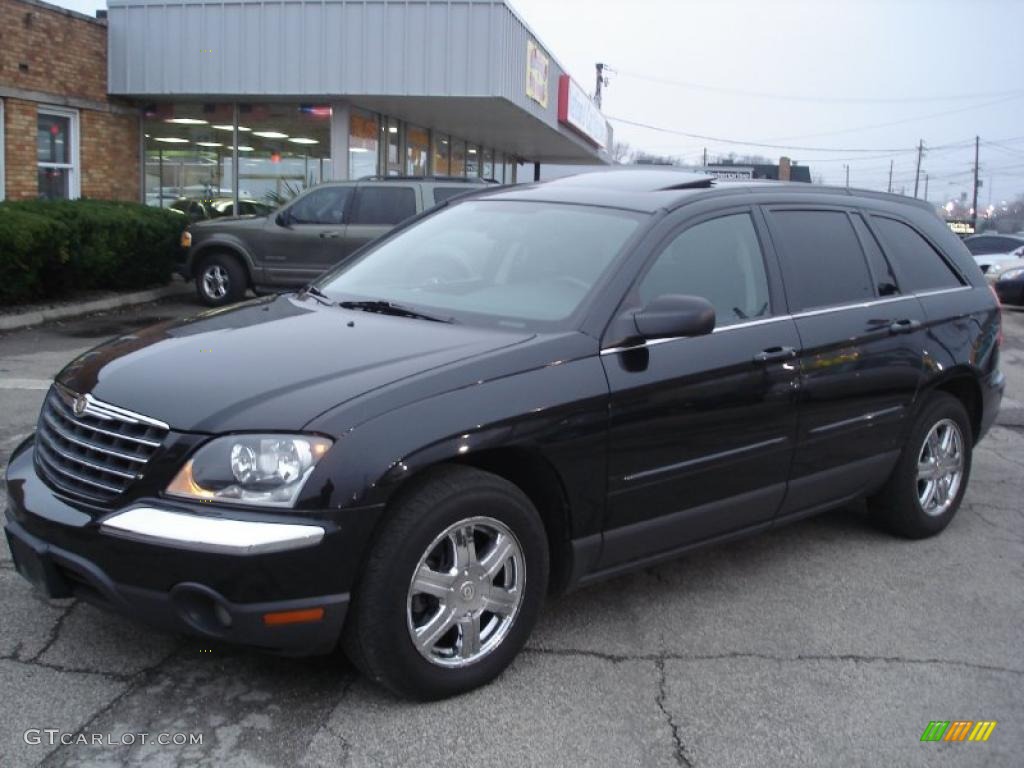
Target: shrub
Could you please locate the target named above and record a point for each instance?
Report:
(50, 248)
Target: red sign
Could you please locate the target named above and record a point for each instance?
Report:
(578, 111)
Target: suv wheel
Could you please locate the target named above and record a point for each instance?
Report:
(221, 280)
(926, 488)
(452, 586)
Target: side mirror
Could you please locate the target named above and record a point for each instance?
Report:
(284, 219)
(675, 315)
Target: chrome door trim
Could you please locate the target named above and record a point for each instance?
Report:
(867, 418)
(702, 459)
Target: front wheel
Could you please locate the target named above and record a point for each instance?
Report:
(221, 280)
(452, 586)
(930, 479)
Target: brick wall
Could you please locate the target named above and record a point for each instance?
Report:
(49, 52)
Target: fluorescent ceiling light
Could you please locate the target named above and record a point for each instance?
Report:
(358, 149)
(244, 149)
(171, 140)
(209, 144)
(472, 151)
(241, 128)
(185, 121)
(270, 135)
(300, 140)
(393, 129)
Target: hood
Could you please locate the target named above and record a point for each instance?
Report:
(268, 364)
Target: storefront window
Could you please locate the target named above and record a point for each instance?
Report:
(487, 169)
(393, 158)
(57, 153)
(286, 149)
(472, 160)
(188, 155)
(441, 150)
(363, 144)
(417, 150)
(458, 166)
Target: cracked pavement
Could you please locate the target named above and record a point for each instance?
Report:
(823, 643)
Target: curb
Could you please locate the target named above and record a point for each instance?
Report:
(1011, 414)
(35, 317)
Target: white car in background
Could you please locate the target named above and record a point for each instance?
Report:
(995, 250)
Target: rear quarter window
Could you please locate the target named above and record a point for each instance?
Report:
(920, 266)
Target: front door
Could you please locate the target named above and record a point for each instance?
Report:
(860, 360)
(306, 238)
(702, 429)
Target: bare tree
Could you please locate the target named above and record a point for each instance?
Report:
(621, 152)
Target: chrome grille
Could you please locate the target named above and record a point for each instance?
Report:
(91, 449)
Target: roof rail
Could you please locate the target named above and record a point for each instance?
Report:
(456, 179)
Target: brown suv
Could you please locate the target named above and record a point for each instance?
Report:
(292, 245)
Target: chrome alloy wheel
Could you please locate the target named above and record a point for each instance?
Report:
(465, 592)
(940, 468)
(215, 281)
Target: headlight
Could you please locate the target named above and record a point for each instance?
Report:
(186, 239)
(266, 470)
(1012, 274)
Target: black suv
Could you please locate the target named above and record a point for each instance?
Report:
(286, 248)
(524, 390)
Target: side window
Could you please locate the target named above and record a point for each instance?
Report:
(881, 269)
(920, 266)
(822, 261)
(383, 205)
(446, 193)
(719, 260)
(979, 246)
(321, 206)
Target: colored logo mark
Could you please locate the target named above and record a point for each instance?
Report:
(958, 730)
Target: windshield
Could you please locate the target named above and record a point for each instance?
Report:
(515, 263)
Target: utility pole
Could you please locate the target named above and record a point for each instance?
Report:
(847, 167)
(917, 174)
(974, 206)
(926, 186)
(601, 81)
(890, 175)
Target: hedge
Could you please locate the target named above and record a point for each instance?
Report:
(52, 248)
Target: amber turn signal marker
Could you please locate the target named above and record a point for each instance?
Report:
(304, 616)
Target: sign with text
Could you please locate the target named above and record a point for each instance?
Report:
(537, 65)
(578, 111)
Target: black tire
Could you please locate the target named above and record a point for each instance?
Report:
(221, 279)
(377, 636)
(897, 507)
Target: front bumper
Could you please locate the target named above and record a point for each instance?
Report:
(246, 581)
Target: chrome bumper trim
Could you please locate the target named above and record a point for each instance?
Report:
(181, 530)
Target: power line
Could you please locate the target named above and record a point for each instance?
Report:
(824, 99)
(749, 143)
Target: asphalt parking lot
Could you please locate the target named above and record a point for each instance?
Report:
(825, 643)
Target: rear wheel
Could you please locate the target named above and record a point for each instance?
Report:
(452, 587)
(930, 479)
(221, 280)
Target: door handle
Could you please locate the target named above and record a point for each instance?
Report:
(774, 354)
(330, 235)
(904, 326)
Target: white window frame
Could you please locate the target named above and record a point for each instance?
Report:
(74, 167)
(3, 178)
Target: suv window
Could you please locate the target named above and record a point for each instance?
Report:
(881, 269)
(321, 206)
(920, 265)
(822, 261)
(447, 193)
(383, 205)
(719, 260)
(981, 246)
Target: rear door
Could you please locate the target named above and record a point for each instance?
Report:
(306, 238)
(860, 352)
(375, 211)
(702, 429)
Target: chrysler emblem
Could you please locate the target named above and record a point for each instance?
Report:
(80, 405)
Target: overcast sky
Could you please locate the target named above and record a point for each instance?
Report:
(828, 76)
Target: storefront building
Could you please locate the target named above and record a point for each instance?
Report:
(257, 99)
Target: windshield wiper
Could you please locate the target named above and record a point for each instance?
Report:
(390, 308)
(316, 293)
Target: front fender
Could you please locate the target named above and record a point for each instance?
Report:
(559, 411)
